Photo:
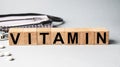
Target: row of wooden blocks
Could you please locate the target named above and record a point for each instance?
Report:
(48, 36)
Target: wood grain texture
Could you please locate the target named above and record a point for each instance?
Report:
(15, 33)
(87, 36)
(104, 33)
(30, 36)
(72, 36)
(67, 36)
(44, 36)
(57, 35)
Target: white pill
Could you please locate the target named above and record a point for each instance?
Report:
(10, 58)
(1, 54)
(7, 54)
(2, 46)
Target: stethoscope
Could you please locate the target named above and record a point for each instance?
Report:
(54, 21)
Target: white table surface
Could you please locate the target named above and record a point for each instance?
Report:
(76, 13)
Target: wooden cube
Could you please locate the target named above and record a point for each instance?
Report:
(86, 36)
(30, 36)
(16, 36)
(71, 36)
(44, 36)
(57, 35)
(101, 36)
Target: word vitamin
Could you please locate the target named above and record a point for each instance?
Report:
(44, 36)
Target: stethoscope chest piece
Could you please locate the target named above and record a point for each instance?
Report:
(3, 36)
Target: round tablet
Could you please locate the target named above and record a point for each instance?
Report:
(1, 54)
(10, 58)
(2, 46)
(7, 53)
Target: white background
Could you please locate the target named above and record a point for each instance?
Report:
(76, 13)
